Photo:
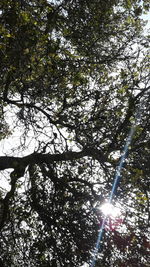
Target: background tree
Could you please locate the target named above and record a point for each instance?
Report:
(73, 73)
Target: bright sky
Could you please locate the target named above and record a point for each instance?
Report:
(147, 17)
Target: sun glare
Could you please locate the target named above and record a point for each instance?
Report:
(110, 210)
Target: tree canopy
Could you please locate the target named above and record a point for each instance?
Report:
(73, 75)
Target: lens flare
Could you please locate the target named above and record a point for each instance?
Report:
(109, 210)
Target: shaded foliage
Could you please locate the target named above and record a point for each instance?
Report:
(73, 74)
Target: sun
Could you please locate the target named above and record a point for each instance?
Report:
(109, 210)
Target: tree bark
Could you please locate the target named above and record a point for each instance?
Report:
(19, 163)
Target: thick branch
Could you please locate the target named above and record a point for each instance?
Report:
(9, 162)
(19, 164)
(7, 199)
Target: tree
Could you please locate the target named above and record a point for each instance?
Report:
(73, 74)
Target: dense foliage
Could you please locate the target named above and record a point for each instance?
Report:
(73, 74)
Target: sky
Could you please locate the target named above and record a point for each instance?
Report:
(147, 17)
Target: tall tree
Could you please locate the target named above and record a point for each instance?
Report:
(73, 75)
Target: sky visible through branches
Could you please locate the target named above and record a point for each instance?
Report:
(69, 101)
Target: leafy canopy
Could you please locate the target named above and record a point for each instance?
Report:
(72, 76)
